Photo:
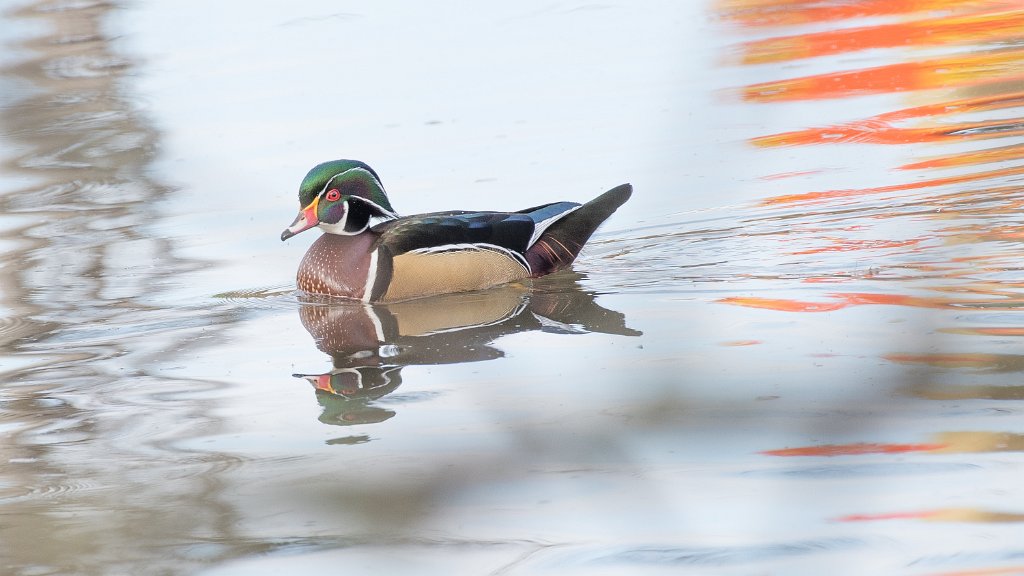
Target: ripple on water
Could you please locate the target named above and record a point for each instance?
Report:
(266, 298)
(16, 328)
(56, 489)
(698, 555)
(74, 196)
(84, 66)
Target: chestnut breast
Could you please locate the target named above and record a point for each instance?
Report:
(337, 265)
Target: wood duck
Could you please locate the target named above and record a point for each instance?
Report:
(369, 253)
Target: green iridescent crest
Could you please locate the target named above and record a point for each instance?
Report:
(350, 177)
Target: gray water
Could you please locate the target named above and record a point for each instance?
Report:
(798, 347)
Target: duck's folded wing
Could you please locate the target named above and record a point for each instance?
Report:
(513, 232)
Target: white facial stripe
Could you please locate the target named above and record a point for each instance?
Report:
(323, 191)
(389, 213)
(363, 170)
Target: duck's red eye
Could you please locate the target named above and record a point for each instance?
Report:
(333, 195)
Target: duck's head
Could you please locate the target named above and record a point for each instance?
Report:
(340, 197)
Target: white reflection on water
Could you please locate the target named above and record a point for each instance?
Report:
(782, 357)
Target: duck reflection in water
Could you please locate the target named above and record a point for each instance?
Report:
(370, 344)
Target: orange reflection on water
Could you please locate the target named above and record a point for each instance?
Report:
(856, 449)
(782, 304)
(791, 12)
(991, 73)
(939, 515)
(881, 128)
(845, 245)
(941, 73)
(979, 208)
(934, 391)
(986, 331)
(847, 299)
(815, 197)
(971, 442)
(1003, 571)
(741, 343)
(979, 27)
(989, 362)
(1000, 154)
(958, 70)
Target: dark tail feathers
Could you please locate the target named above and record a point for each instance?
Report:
(560, 244)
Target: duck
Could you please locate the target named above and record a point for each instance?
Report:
(367, 252)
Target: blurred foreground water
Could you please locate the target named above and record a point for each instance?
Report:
(798, 348)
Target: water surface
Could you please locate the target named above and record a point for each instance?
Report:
(798, 347)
